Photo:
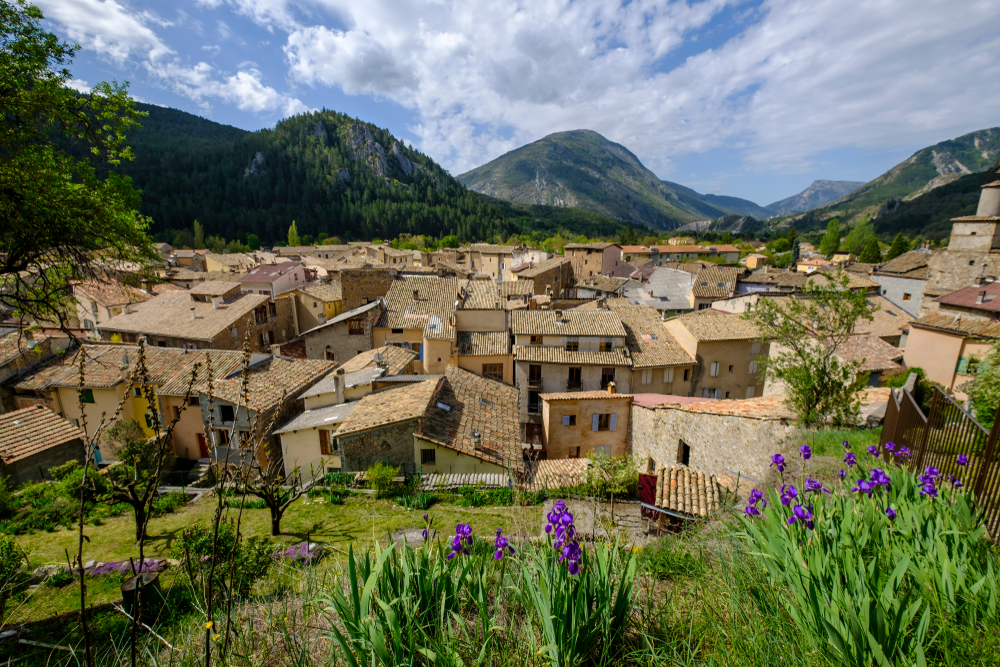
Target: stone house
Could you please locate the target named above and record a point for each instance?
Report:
(236, 263)
(361, 286)
(728, 252)
(713, 283)
(947, 345)
(418, 316)
(273, 279)
(35, 440)
(212, 315)
(495, 261)
(755, 261)
(189, 259)
(315, 304)
(593, 259)
(344, 336)
(19, 352)
(599, 287)
(97, 301)
(902, 280)
(639, 255)
(552, 277)
(726, 348)
(577, 424)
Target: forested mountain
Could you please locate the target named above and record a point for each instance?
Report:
(334, 175)
(583, 169)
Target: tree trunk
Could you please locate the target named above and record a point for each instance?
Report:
(275, 523)
(140, 520)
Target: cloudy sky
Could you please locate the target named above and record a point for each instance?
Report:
(751, 98)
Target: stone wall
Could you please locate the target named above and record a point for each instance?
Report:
(392, 443)
(337, 338)
(36, 467)
(361, 286)
(952, 270)
(894, 289)
(718, 444)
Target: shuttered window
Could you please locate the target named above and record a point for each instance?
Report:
(668, 374)
(714, 371)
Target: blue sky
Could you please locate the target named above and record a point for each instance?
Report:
(748, 98)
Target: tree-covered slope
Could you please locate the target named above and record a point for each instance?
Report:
(334, 175)
(583, 169)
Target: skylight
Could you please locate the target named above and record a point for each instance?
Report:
(443, 406)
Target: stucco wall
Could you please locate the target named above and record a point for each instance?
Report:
(559, 439)
(185, 434)
(895, 289)
(392, 443)
(554, 380)
(105, 402)
(475, 365)
(448, 461)
(481, 320)
(437, 354)
(300, 449)
(934, 351)
(719, 443)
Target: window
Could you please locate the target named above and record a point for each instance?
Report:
(683, 453)
(755, 348)
(569, 420)
(272, 310)
(727, 394)
(315, 305)
(534, 404)
(502, 266)
(604, 346)
(329, 354)
(607, 376)
(668, 375)
(149, 420)
(535, 374)
(397, 331)
(536, 340)
(604, 422)
(222, 437)
(234, 332)
(707, 393)
(714, 370)
(194, 401)
(730, 368)
(647, 376)
(137, 392)
(906, 297)
(226, 413)
(687, 374)
(604, 449)
(87, 396)
(428, 457)
(494, 371)
(572, 345)
(753, 367)
(443, 406)
(884, 291)
(356, 327)
(574, 452)
(575, 379)
(750, 391)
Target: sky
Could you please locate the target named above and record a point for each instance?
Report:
(747, 98)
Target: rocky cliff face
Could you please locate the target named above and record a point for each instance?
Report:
(817, 194)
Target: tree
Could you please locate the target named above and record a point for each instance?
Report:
(796, 251)
(293, 235)
(136, 477)
(806, 335)
(199, 236)
(626, 236)
(184, 239)
(858, 238)
(253, 242)
(270, 486)
(984, 390)
(235, 246)
(871, 254)
(12, 563)
(831, 240)
(898, 247)
(216, 244)
(61, 222)
(610, 475)
(331, 240)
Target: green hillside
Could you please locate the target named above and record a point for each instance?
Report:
(582, 169)
(334, 175)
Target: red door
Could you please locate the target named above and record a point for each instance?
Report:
(202, 446)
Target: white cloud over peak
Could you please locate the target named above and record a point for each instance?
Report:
(107, 27)
(79, 85)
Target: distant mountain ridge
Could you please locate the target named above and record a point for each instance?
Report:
(814, 196)
(583, 169)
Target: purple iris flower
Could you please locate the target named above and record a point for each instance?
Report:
(879, 477)
(463, 537)
(779, 461)
(755, 495)
(751, 512)
(560, 521)
(873, 450)
(846, 444)
(806, 452)
(929, 490)
(890, 446)
(800, 513)
(864, 487)
(932, 472)
(850, 459)
(427, 526)
(891, 513)
(963, 460)
(814, 486)
(788, 493)
(955, 482)
(904, 454)
(502, 545)
(843, 474)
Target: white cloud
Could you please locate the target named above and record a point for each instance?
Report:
(106, 27)
(79, 85)
(796, 79)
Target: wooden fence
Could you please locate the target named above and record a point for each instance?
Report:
(939, 437)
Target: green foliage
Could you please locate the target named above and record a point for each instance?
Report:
(669, 558)
(984, 390)
(381, 478)
(60, 579)
(168, 503)
(474, 496)
(338, 478)
(627, 236)
(293, 235)
(251, 558)
(421, 501)
(609, 476)
(50, 199)
(59, 473)
(860, 236)
(12, 564)
(898, 247)
(923, 389)
(871, 254)
(820, 386)
(199, 236)
(779, 245)
(7, 503)
(253, 243)
(831, 240)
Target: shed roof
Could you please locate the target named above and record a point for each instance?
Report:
(396, 359)
(967, 297)
(401, 404)
(33, 430)
(170, 315)
(330, 415)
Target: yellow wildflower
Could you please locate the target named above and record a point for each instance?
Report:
(208, 626)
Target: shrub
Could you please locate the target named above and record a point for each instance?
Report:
(252, 557)
(381, 478)
(338, 479)
(60, 579)
(168, 503)
(421, 501)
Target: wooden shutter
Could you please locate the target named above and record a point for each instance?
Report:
(324, 442)
(565, 420)
(593, 426)
(614, 421)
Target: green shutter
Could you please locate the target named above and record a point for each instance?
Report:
(963, 365)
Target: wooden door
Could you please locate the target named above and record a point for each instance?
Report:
(202, 446)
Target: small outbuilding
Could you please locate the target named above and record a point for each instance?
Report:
(35, 439)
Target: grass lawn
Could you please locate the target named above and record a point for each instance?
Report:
(359, 520)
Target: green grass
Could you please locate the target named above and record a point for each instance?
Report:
(830, 442)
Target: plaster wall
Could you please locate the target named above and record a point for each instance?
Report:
(559, 439)
(936, 352)
(450, 461)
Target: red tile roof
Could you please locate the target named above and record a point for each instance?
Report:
(967, 296)
(32, 430)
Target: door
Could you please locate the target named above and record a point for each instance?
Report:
(202, 446)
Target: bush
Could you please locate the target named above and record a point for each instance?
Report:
(60, 579)
(421, 501)
(338, 479)
(381, 478)
(252, 557)
(474, 496)
(168, 503)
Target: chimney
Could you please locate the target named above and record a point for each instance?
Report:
(558, 316)
(123, 367)
(416, 294)
(979, 296)
(216, 302)
(338, 384)
(276, 350)
(989, 200)
(193, 316)
(477, 441)
(611, 387)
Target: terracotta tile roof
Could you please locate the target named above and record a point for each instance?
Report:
(888, 321)
(877, 354)
(184, 274)
(15, 345)
(797, 280)
(601, 283)
(860, 268)
(764, 408)
(977, 218)
(483, 343)
(541, 267)
(654, 400)
(557, 355)
(515, 288)
(600, 245)
(421, 303)
(650, 343)
(480, 406)
(456, 480)
(555, 473)
(969, 326)
(714, 325)
(160, 288)
(33, 430)
(170, 315)
(418, 270)
(451, 267)
(395, 358)
(716, 281)
(389, 407)
(268, 381)
(110, 292)
(664, 249)
(687, 491)
(41, 377)
(327, 292)
(489, 248)
(574, 323)
(582, 395)
(233, 259)
(724, 248)
(214, 287)
(967, 296)
(224, 362)
(268, 273)
(911, 264)
(491, 295)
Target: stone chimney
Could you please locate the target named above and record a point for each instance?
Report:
(276, 351)
(338, 384)
(123, 367)
(193, 316)
(989, 200)
(559, 316)
(217, 301)
(980, 295)
(611, 387)
(477, 441)
(416, 294)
